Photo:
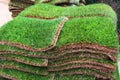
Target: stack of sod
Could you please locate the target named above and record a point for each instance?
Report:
(52, 1)
(61, 2)
(16, 6)
(14, 59)
(80, 46)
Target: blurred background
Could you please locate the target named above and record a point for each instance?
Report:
(5, 15)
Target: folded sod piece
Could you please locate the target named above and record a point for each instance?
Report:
(48, 42)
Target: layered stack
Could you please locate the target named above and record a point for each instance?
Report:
(18, 47)
(47, 42)
(16, 6)
(62, 2)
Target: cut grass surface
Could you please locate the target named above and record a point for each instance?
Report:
(25, 68)
(82, 30)
(89, 25)
(104, 28)
(25, 60)
(30, 32)
(38, 36)
(51, 11)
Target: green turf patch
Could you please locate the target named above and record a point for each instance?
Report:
(104, 28)
(31, 32)
(83, 30)
(51, 11)
(88, 26)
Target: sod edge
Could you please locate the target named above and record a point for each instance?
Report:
(45, 73)
(80, 55)
(82, 16)
(84, 47)
(44, 64)
(7, 77)
(105, 65)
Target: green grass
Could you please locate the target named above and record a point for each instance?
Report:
(98, 30)
(32, 33)
(50, 11)
(82, 31)
(85, 28)
(37, 33)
